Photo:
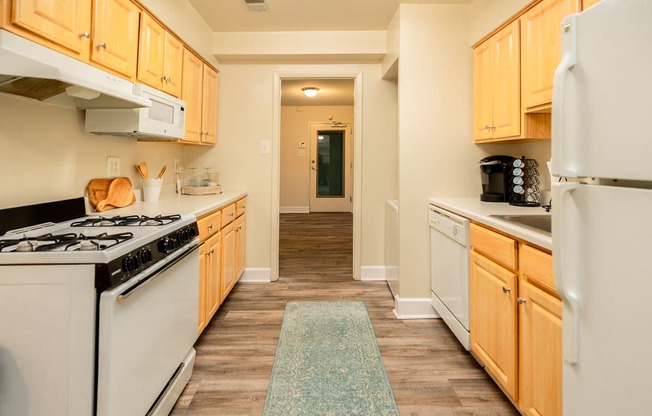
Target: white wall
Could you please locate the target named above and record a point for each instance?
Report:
(245, 118)
(295, 165)
(46, 155)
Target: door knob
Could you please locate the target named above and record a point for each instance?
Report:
(506, 289)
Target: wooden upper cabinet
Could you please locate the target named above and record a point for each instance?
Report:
(115, 35)
(541, 50)
(64, 22)
(191, 93)
(160, 57)
(588, 3)
(496, 86)
(209, 105)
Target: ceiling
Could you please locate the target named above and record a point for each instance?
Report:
(331, 92)
(302, 15)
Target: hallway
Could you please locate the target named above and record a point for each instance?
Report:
(429, 371)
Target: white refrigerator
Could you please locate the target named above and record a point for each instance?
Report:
(602, 226)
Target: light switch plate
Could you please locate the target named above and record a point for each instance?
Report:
(112, 166)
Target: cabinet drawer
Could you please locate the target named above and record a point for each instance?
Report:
(536, 265)
(241, 207)
(496, 246)
(209, 224)
(228, 214)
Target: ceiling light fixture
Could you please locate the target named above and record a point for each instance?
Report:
(310, 91)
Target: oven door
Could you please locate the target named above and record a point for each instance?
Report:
(147, 326)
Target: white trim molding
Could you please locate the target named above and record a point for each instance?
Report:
(256, 275)
(294, 210)
(373, 273)
(414, 308)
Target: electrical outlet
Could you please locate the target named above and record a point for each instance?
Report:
(112, 166)
(264, 147)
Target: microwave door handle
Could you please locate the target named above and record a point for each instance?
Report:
(148, 279)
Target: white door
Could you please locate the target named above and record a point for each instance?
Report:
(601, 252)
(331, 168)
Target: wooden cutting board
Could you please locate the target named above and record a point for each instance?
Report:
(119, 194)
(97, 190)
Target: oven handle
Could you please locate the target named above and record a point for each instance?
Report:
(143, 282)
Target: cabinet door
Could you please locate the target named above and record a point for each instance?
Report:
(65, 22)
(115, 35)
(588, 3)
(203, 269)
(172, 64)
(214, 272)
(191, 93)
(241, 243)
(209, 106)
(229, 259)
(150, 52)
(507, 82)
(493, 320)
(540, 352)
(541, 49)
(482, 92)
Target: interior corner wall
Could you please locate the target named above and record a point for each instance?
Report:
(246, 99)
(437, 156)
(295, 162)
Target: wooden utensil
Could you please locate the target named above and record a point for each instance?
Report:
(163, 169)
(119, 194)
(97, 190)
(144, 172)
(140, 172)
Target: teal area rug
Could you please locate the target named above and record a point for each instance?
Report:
(328, 363)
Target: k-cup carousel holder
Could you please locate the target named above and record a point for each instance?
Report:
(524, 183)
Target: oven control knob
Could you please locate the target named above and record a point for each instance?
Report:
(130, 263)
(145, 255)
(166, 245)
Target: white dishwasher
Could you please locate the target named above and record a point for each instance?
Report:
(449, 270)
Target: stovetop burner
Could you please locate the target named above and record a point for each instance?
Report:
(64, 242)
(126, 221)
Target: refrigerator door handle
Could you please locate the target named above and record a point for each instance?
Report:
(568, 61)
(565, 258)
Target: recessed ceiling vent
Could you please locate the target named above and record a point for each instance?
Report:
(257, 5)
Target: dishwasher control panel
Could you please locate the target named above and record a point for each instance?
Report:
(449, 224)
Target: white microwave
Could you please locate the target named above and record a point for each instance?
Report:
(165, 119)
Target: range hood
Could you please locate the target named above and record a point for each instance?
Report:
(32, 70)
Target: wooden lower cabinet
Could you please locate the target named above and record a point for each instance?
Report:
(540, 355)
(241, 244)
(493, 320)
(229, 259)
(210, 285)
(515, 318)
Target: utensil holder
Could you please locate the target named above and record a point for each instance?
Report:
(152, 189)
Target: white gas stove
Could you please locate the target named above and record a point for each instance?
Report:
(99, 313)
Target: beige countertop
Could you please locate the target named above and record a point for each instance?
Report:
(481, 212)
(173, 203)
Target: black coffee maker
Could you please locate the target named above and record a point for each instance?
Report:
(495, 173)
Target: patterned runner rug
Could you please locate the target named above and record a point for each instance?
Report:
(328, 363)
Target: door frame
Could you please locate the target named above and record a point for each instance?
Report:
(347, 164)
(356, 75)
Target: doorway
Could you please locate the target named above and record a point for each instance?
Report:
(341, 131)
(331, 169)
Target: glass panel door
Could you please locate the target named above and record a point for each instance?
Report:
(330, 164)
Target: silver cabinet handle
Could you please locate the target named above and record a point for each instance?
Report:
(520, 300)
(86, 35)
(506, 289)
(101, 45)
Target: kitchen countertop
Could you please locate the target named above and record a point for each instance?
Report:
(173, 203)
(479, 211)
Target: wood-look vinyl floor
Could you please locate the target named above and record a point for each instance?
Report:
(430, 373)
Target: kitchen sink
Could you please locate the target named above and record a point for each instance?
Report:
(538, 222)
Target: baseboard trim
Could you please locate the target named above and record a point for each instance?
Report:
(373, 273)
(414, 308)
(294, 210)
(256, 275)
